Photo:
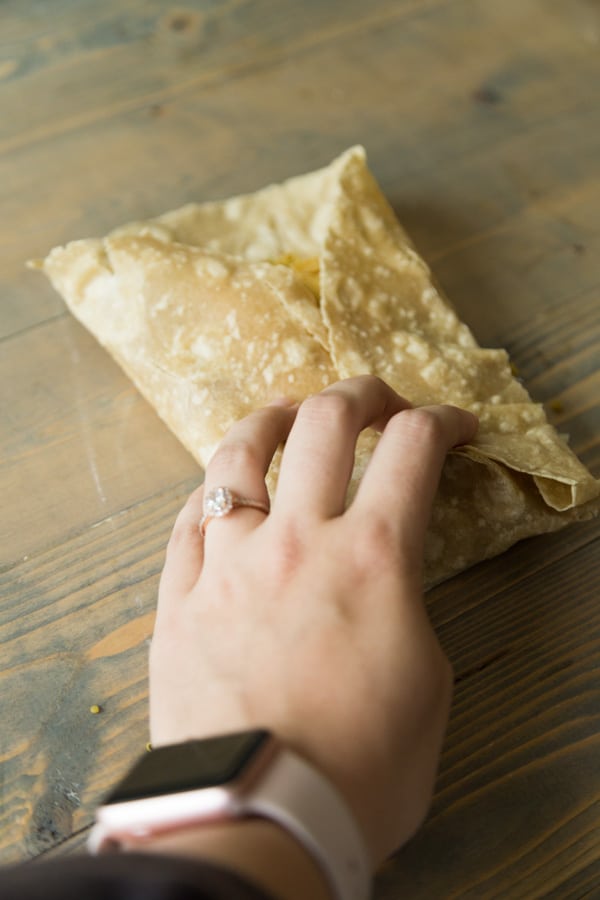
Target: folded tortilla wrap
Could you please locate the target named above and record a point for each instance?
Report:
(215, 308)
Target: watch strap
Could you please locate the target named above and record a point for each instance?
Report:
(297, 796)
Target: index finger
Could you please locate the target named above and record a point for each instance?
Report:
(403, 474)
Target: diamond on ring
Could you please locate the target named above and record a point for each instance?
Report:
(218, 502)
(221, 501)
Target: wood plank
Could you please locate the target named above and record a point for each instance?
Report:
(560, 369)
(516, 810)
(483, 164)
(80, 444)
(118, 40)
(78, 636)
(71, 846)
(96, 52)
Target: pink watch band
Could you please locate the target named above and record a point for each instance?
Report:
(305, 803)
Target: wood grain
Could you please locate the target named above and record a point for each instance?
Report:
(80, 437)
(77, 637)
(482, 124)
(523, 743)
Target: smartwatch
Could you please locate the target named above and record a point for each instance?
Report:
(232, 776)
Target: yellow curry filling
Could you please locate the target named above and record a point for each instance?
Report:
(307, 270)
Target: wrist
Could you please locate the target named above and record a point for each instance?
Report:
(236, 778)
(257, 849)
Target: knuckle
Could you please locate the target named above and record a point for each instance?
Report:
(331, 406)
(237, 454)
(422, 424)
(376, 382)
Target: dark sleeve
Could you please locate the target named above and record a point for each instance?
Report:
(127, 876)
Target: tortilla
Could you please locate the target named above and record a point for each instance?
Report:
(215, 308)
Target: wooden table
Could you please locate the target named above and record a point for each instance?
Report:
(481, 120)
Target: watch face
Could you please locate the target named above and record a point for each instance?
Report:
(191, 765)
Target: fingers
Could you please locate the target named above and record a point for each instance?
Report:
(319, 455)
(185, 551)
(397, 489)
(240, 463)
(403, 474)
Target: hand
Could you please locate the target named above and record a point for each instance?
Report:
(310, 620)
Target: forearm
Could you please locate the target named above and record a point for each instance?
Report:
(256, 849)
